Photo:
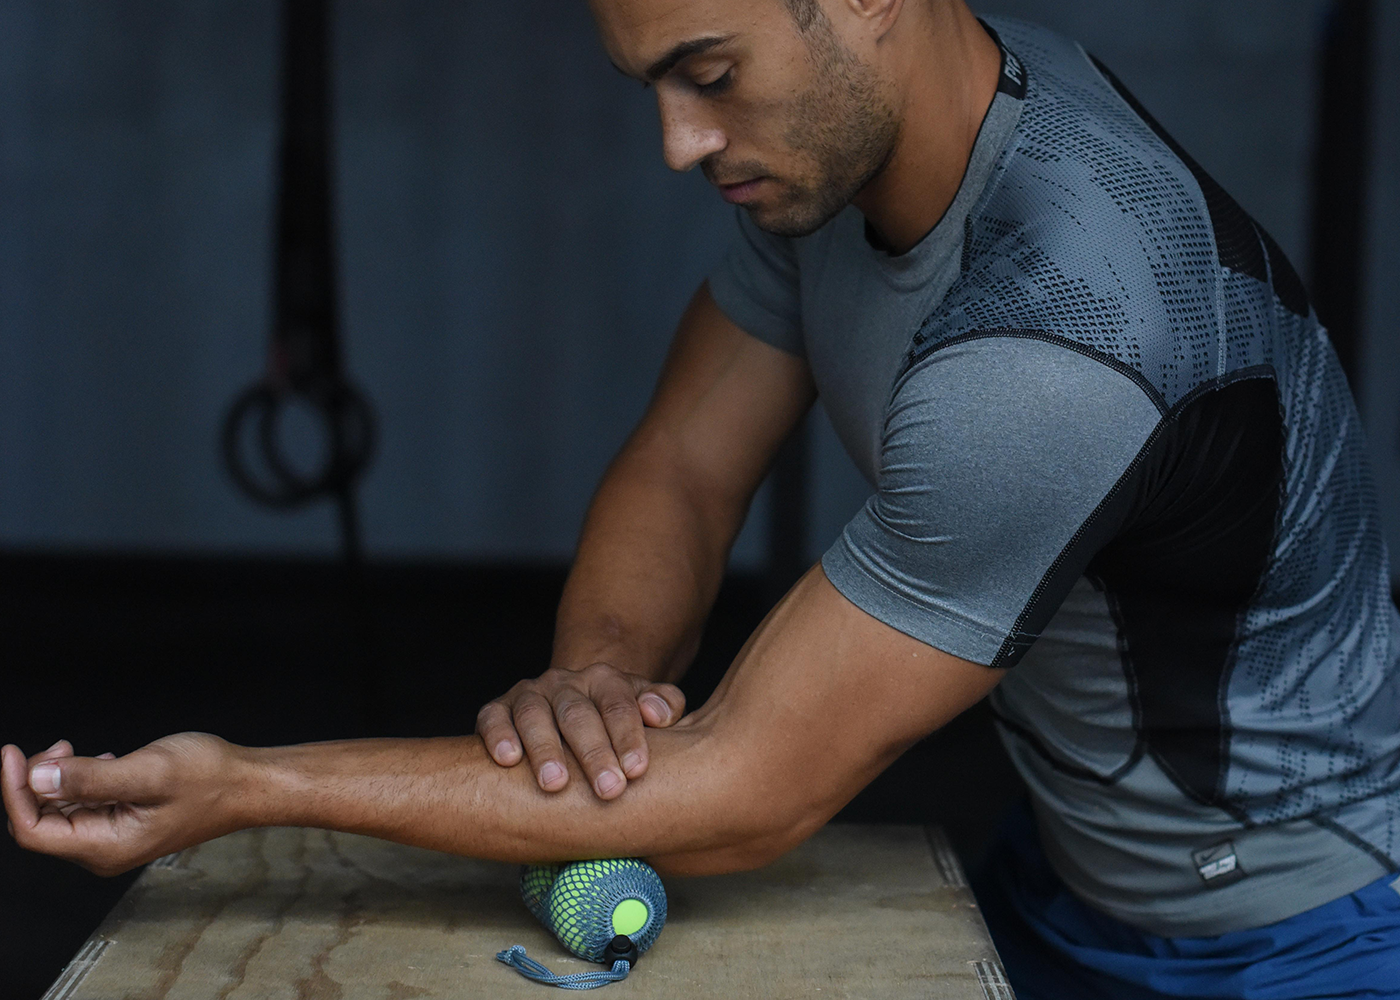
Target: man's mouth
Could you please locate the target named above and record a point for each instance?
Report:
(738, 194)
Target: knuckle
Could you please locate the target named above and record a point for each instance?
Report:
(619, 709)
(532, 711)
(164, 770)
(543, 685)
(495, 722)
(596, 758)
(491, 710)
(539, 740)
(574, 711)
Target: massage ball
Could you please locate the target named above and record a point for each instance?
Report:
(588, 904)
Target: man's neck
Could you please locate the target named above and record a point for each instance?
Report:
(947, 88)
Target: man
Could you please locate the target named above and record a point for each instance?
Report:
(1119, 479)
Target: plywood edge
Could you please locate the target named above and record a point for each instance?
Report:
(991, 974)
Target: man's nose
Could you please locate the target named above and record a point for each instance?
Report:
(686, 137)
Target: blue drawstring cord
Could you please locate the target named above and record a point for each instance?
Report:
(516, 958)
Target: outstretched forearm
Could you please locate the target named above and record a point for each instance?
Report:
(822, 698)
(695, 808)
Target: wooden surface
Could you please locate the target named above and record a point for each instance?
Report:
(858, 911)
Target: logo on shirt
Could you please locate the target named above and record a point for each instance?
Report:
(1219, 865)
(1013, 69)
(1013, 75)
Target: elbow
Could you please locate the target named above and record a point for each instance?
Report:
(756, 807)
(756, 845)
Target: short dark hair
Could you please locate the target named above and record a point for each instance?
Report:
(805, 12)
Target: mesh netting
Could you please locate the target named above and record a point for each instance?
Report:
(535, 883)
(586, 894)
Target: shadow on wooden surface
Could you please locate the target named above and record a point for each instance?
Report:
(857, 911)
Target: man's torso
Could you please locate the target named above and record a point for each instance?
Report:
(1114, 451)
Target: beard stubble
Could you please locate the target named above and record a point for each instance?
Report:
(844, 126)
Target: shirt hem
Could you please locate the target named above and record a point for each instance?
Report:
(931, 626)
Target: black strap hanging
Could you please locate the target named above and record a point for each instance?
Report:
(305, 364)
(1341, 169)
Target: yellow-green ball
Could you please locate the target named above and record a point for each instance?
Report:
(594, 901)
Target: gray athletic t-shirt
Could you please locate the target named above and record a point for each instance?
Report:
(1113, 449)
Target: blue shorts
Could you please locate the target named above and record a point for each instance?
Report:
(1056, 947)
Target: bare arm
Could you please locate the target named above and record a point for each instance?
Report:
(821, 699)
(652, 555)
(657, 536)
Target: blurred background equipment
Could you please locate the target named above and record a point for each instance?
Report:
(305, 365)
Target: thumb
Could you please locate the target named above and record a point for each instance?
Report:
(134, 778)
(660, 704)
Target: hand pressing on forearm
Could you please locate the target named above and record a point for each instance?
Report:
(651, 557)
(822, 698)
(599, 712)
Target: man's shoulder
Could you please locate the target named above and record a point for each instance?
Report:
(1093, 228)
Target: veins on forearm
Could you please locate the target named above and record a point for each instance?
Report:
(447, 795)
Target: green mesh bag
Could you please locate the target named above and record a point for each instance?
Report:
(603, 911)
(535, 883)
(594, 901)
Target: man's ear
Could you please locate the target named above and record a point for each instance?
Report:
(879, 15)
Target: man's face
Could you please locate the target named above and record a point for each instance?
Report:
(784, 120)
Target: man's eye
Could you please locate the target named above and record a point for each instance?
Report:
(718, 85)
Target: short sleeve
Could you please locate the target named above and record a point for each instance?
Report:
(756, 286)
(999, 455)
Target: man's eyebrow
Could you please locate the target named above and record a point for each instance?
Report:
(684, 50)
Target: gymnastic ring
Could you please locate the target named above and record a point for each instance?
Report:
(349, 421)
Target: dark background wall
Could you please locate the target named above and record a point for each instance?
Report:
(514, 256)
(514, 253)
(1379, 382)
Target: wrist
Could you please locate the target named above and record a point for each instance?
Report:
(259, 782)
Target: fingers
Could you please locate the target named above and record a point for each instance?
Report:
(600, 713)
(581, 718)
(493, 725)
(626, 704)
(58, 751)
(21, 807)
(611, 736)
(534, 721)
(109, 813)
(660, 704)
(137, 778)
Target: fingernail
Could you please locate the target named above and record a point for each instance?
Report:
(630, 762)
(608, 782)
(550, 773)
(44, 778)
(659, 706)
(505, 750)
